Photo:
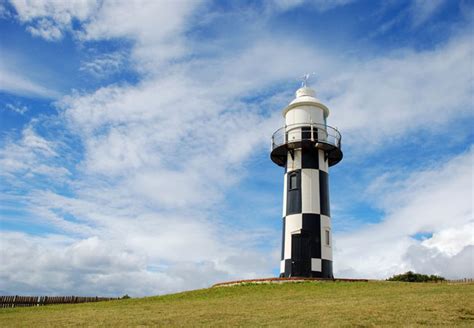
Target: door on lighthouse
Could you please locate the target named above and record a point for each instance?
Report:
(300, 255)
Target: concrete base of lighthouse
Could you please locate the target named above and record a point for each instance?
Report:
(284, 280)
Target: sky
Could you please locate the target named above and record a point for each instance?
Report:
(135, 136)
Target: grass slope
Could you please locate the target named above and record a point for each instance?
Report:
(328, 304)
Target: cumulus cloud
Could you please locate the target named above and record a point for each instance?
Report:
(153, 257)
(129, 191)
(138, 20)
(50, 19)
(16, 108)
(155, 27)
(436, 201)
(453, 240)
(403, 92)
(46, 30)
(104, 65)
(429, 260)
(30, 156)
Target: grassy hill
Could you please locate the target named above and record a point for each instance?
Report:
(292, 304)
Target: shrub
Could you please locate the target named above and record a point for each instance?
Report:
(125, 297)
(415, 277)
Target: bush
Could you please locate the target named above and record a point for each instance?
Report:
(415, 277)
(125, 297)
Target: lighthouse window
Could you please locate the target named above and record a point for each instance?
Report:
(293, 182)
(327, 238)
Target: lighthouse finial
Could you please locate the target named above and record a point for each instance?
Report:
(306, 77)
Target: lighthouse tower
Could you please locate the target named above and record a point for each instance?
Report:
(306, 147)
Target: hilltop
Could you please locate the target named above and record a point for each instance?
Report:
(291, 304)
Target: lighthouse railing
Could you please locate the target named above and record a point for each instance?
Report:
(313, 132)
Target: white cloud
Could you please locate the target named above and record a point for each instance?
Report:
(150, 184)
(104, 65)
(320, 5)
(453, 240)
(156, 27)
(449, 252)
(139, 20)
(437, 201)
(50, 19)
(422, 10)
(31, 155)
(61, 11)
(16, 108)
(46, 30)
(13, 81)
(403, 92)
(146, 184)
(155, 256)
(417, 13)
(457, 266)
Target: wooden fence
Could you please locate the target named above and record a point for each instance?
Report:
(20, 301)
(462, 281)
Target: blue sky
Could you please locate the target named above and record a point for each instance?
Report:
(134, 144)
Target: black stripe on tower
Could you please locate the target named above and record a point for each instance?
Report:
(324, 193)
(293, 197)
(312, 226)
(309, 158)
(316, 274)
(326, 269)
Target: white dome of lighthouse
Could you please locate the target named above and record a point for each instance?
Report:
(306, 96)
(305, 91)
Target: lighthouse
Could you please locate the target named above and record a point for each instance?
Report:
(306, 147)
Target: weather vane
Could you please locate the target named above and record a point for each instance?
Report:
(306, 78)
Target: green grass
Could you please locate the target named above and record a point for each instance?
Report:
(325, 304)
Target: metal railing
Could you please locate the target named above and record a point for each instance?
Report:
(317, 133)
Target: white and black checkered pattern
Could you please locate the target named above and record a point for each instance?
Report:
(306, 238)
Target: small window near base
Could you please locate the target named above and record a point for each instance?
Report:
(328, 242)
